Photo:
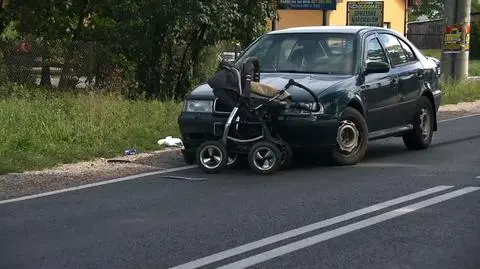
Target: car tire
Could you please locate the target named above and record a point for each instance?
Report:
(352, 148)
(423, 124)
(217, 155)
(264, 149)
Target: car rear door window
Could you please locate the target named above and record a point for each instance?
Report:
(394, 49)
(375, 52)
(408, 51)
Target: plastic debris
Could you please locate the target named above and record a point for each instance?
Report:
(170, 142)
(130, 152)
(184, 178)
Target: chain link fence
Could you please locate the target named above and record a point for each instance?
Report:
(53, 63)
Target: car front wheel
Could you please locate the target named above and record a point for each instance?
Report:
(352, 138)
(421, 136)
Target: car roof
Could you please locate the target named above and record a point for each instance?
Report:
(326, 29)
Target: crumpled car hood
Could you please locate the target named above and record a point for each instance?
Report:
(317, 83)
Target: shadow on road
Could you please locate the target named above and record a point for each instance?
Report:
(376, 152)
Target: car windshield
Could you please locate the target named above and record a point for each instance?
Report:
(318, 53)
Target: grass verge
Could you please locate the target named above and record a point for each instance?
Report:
(456, 92)
(473, 65)
(40, 129)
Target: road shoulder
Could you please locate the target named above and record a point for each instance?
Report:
(77, 174)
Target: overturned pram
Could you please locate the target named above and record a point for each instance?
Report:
(251, 128)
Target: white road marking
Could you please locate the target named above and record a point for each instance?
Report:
(459, 118)
(268, 255)
(91, 185)
(305, 229)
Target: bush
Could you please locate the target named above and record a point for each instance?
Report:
(475, 42)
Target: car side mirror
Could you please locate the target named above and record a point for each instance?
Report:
(377, 67)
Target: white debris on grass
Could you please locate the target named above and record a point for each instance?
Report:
(170, 142)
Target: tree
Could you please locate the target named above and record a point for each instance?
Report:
(432, 9)
(156, 44)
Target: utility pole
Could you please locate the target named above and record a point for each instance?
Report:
(463, 18)
(455, 65)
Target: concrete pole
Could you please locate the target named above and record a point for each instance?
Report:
(461, 59)
(447, 60)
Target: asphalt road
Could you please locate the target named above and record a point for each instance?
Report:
(397, 209)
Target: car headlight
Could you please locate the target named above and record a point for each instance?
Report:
(202, 106)
(309, 105)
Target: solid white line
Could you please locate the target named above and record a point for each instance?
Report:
(91, 185)
(459, 118)
(305, 229)
(265, 256)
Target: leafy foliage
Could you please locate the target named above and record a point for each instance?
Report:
(154, 46)
(433, 9)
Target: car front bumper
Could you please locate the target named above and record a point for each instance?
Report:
(301, 132)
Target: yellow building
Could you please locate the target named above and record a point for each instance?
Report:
(394, 15)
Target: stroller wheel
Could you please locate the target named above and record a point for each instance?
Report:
(264, 158)
(212, 156)
(287, 155)
(233, 161)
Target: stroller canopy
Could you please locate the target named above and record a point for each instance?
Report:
(227, 87)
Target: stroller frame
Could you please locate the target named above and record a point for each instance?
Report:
(267, 152)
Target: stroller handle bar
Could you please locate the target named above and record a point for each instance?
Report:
(292, 82)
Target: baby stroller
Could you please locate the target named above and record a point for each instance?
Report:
(251, 128)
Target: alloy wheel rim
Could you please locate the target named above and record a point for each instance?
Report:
(348, 136)
(264, 158)
(424, 123)
(211, 157)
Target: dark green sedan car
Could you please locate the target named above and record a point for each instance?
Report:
(371, 82)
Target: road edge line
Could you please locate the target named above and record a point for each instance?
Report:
(96, 184)
(459, 118)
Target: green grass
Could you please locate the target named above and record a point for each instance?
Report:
(465, 91)
(39, 129)
(473, 65)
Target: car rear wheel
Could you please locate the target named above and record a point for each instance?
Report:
(352, 138)
(423, 122)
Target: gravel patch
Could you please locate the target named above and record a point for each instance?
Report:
(470, 107)
(71, 175)
(458, 110)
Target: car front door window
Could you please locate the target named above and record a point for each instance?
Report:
(375, 52)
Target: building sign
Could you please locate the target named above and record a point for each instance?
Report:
(453, 41)
(365, 13)
(308, 4)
